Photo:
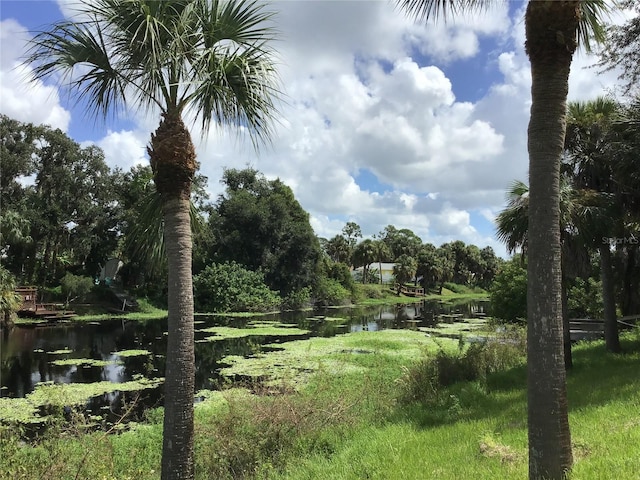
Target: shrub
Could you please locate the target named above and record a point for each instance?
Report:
(370, 291)
(255, 434)
(341, 273)
(226, 287)
(75, 286)
(423, 382)
(331, 292)
(508, 292)
(297, 300)
(585, 299)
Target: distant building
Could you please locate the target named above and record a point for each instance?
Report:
(387, 271)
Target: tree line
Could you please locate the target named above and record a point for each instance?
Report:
(65, 211)
(422, 263)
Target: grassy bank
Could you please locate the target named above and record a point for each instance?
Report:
(364, 415)
(386, 295)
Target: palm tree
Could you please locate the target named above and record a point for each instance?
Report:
(208, 59)
(404, 270)
(589, 158)
(512, 225)
(553, 29)
(381, 252)
(363, 255)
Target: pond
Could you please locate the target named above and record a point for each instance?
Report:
(123, 352)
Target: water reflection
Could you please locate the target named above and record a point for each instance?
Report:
(27, 353)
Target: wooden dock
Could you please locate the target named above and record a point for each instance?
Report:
(593, 329)
(412, 291)
(49, 312)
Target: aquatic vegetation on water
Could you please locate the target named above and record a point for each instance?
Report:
(90, 362)
(63, 351)
(456, 327)
(27, 409)
(259, 330)
(322, 318)
(131, 353)
(293, 362)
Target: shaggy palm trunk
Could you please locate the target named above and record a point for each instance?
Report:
(551, 28)
(611, 338)
(173, 161)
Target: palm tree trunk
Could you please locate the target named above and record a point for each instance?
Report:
(551, 40)
(177, 449)
(173, 161)
(611, 338)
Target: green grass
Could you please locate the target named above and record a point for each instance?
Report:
(348, 423)
(384, 295)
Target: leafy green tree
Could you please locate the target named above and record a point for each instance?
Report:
(446, 266)
(259, 224)
(229, 287)
(622, 48)
(585, 298)
(508, 292)
(553, 31)
(400, 242)
(9, 301)
(428, 266)
(352, 232)
(210, 58)
(68, 217)
(490, 265)
(337, 271)
(17, 145)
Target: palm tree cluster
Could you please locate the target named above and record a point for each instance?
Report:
(599, 214)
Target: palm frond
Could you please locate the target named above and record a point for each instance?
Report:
(145, 241)
(512, 223)
(69, 45)
(234, 79)
(591, 28)
(210, 56)
(424, 10)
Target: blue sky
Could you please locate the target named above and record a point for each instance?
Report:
(385, 121)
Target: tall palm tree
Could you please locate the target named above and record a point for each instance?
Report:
(512, 225)
(553, 29)
(589, 161)
(208, 59)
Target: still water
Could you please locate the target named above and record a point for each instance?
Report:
(27, 354)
